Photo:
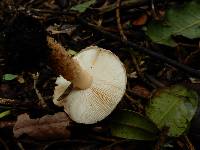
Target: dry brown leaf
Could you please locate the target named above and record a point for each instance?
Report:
(141, 91)
(47, 127)
(141, 20)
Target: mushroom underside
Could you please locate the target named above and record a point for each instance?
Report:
(100, 99)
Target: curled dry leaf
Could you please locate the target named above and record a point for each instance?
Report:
(141, 91)
(141, 20)
(47, 127)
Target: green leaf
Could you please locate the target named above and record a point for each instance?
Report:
(5, 113)
(9, 77)
(82, 7)
(173, 108)
(130, 125)
(183, 21)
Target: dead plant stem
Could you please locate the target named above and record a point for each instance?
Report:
(119, 25)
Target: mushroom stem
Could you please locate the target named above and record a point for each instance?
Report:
(68, 67)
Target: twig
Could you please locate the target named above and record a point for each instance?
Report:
(13, 103)
(190, 56)
(101, 138)
(131, 99)
(20, 146)
(41, 99)
(66, 93)
(186, 69)
(65, 141)
(154, 11)
(188, 45)
(5, 101)
(188, 143)
(119, 25)
(135, 62)
(142, 75)
(125, 3)
(4, 144)
(20, 105)
(135, 103)
(161, 139)
(154, 81)
(114, 144)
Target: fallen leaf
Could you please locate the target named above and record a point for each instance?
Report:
(140, 21)
(47, 127)
(5, 113)
(9, 77)
(141, 91)
(183, 20)
(173, 108)
(131, 125)
(83, 6)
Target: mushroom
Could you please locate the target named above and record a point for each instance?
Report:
(103, 86)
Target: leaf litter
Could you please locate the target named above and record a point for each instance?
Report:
(47, 127)
(151, 31)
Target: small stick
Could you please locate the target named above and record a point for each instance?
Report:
(154, 11)
(188, 143)
(131, 99)
(187, 69)
(135, 62)
(124, 3)
(12, 102)
(162, 139)
(6, 101)
(20, 146)
(135, 103)
(156, 82)
(41, 99)
(190, 56)
(4, 144)
(119, 25)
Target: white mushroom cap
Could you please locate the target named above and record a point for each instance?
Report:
(100, 99)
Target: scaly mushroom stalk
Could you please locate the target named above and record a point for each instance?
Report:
(68, 67)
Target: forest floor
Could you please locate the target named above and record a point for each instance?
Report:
(156, 54)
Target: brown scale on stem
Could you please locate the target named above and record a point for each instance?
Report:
(68, 67)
